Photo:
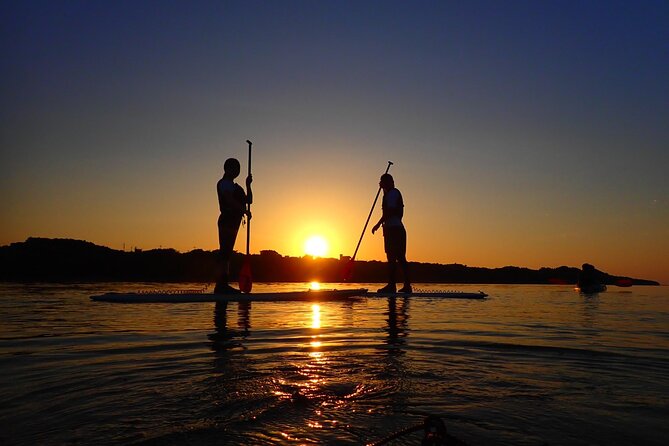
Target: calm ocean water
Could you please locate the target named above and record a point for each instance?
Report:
(531, 365)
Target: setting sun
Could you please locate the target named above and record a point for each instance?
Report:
(316, 246)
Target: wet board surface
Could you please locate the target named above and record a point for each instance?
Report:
(287, 296)
(190, 297)
(434, 294)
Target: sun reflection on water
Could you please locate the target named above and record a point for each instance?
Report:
(314, 383)
(315, 316)
(316, 353)
(315, 343)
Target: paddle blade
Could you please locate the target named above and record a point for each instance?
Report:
(347, 274)
(245, 280)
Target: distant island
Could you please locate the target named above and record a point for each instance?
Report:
(67, 260)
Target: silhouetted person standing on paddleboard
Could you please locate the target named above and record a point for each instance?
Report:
(394, 234)
(589, 279)
(232, 201)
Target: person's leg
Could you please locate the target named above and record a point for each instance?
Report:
(390, 246)
(227, 235)
(392, 269)
(405, 272)
(223, 275)
(224, 271)
(402, 259)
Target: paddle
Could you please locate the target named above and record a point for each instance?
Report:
(245, 280)
(348, 269)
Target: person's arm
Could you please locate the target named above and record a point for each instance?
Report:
(232, 201)
(378, 225)
(383, 218)
(393, 208)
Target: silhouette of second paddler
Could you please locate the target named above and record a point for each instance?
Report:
(590, 280)
(394, 234)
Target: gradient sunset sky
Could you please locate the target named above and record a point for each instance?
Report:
(527, 133)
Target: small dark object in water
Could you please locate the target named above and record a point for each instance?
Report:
(434, 434)
(434, 431)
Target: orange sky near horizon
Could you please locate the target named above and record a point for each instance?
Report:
(448, 221)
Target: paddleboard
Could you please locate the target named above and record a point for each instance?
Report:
(191, 297)
(433, 294)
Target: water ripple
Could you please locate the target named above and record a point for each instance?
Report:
(529, 366)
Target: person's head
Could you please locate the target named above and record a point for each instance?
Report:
(386, 182)
(587, 267)
(231, 168)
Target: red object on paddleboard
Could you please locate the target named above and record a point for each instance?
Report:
(347, 274)
(245, 279)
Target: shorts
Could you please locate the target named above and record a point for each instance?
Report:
(395, 240)
(227, 234)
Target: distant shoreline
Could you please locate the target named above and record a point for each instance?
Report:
(68, 260)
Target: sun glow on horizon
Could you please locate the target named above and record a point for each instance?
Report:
(316, 246)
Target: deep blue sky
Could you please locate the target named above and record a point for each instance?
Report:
(528, 133)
